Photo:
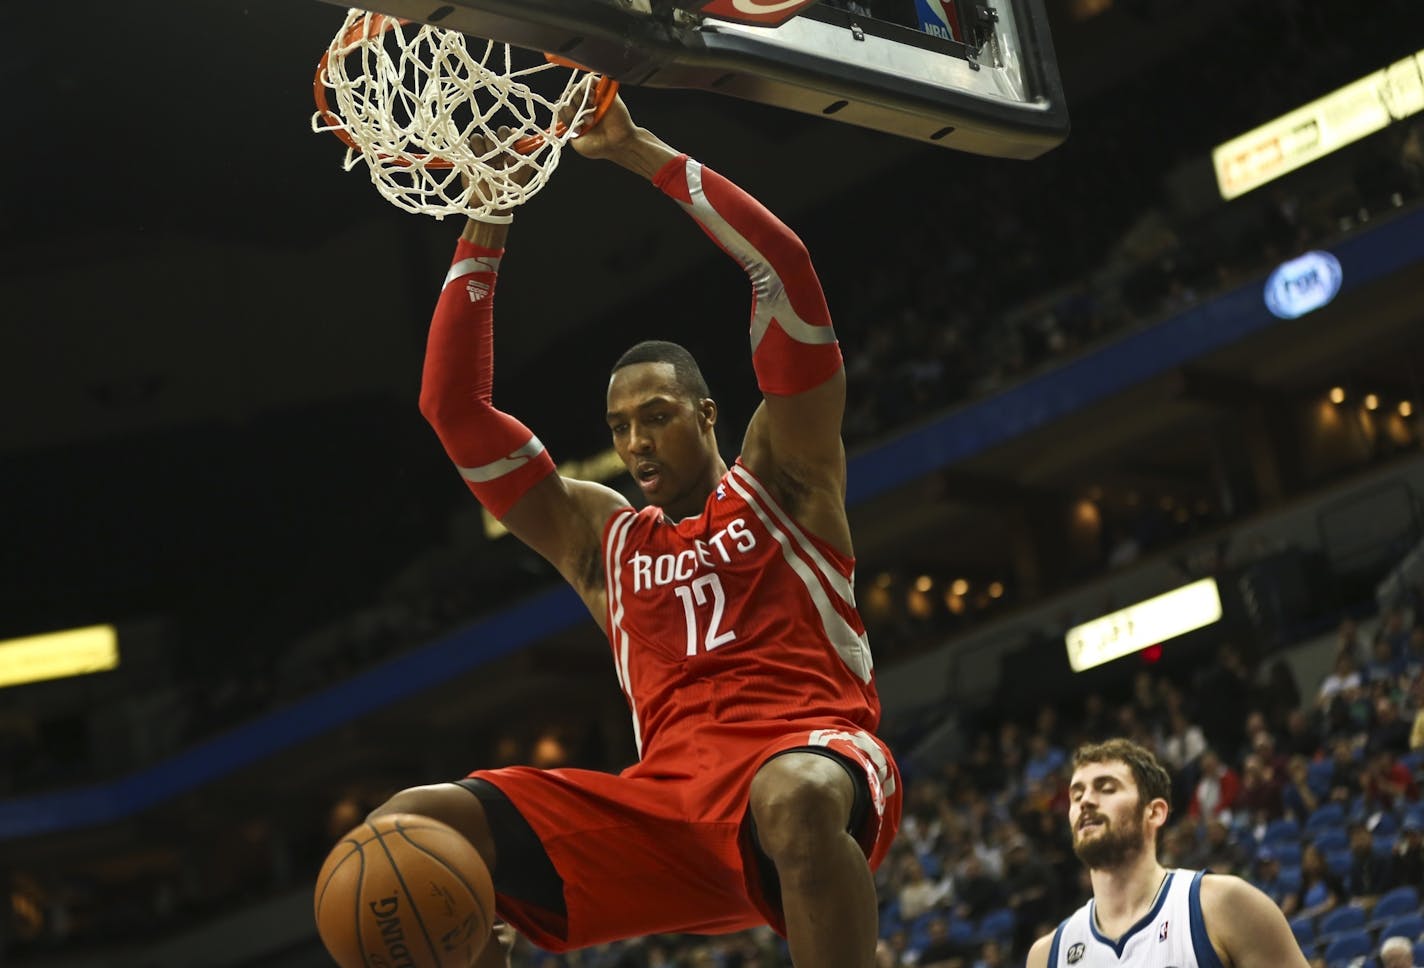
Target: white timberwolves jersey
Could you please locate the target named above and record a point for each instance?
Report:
(1171, 935)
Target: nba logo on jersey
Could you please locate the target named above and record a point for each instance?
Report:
(1162, 931)
(721, 491)
(1075, 953)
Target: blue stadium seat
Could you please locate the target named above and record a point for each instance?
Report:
(1287, 853)
(1326, 815)
(962, 933)
(1396, 903)
(1318, 776)
(1409, 926)
(1339, 862)
(1419, 952)
(1342, 919)
(1331, 839)
(1412, 761)
(1289, 880)
(1303, 927)
(929, 863)
(1385, 823)
(996, 925)
(1347, 947)
(1382, 844)
(1281, 831)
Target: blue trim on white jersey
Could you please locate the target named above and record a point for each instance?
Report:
(1121, 943)
(1201, 941)
(1053, 949)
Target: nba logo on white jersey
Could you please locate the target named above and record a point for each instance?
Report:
(1162, 931)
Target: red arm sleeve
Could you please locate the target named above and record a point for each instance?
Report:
(499, 458)
(794, 348)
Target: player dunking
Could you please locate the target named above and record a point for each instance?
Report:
(761, 795)
(1142, 915)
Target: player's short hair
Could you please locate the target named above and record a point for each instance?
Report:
(689, 374)
(1152, 779)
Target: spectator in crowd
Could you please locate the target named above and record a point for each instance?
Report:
(920, 894)
(1044, 760)
(1345, 676)
(1033, 893)
(1182, 744)
(1216, 850)
(1216, 790)
(1390, 731)
(1268, 876)
(1396, 952)
(1260, 795)
(1320, 890)
(1387, 782)
(977, 893)
(1298, 799)
(1407, 858)
(1369, 874)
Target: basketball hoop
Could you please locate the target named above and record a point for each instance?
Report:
(425, 114)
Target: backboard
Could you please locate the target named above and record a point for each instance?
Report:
(973, 75)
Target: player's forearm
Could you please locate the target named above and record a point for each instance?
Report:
(644, 153)
(794, 347)
(499, 458)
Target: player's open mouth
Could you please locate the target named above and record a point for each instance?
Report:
(648, 475)
(1089, 822)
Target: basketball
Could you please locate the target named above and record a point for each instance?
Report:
(404, 890)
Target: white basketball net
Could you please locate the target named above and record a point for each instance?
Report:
(411, 98)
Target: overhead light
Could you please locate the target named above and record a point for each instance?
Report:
(924, 583)
(1371, 401)
(996, 589)
(960, 587)
(1149, 622)
(1406, 409)
(58, 655)
(1337, 394)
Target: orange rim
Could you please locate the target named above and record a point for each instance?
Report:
(604, 92)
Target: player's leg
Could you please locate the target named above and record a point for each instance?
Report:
(803, 805)
(492, 825)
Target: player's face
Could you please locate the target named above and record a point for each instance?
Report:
(663, 437)
(1106, 814)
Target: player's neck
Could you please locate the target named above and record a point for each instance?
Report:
(696, 500)
(1122, 896)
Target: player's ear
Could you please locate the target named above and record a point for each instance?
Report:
(707, 412)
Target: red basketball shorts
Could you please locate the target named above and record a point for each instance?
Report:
(662, 847)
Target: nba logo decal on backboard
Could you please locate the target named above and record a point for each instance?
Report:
(1075, 953)
(1162, 931)
(939, 18)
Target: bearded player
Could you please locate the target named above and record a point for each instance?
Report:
(1142, 915)
(761, 795)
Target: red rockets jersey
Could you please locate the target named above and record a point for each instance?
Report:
(732, 620)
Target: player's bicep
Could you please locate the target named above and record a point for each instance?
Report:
(562, 519)
(800, 434)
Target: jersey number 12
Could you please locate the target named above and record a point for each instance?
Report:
(695, 595)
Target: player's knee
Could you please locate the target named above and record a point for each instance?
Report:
(798, 803)
(450, 804)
